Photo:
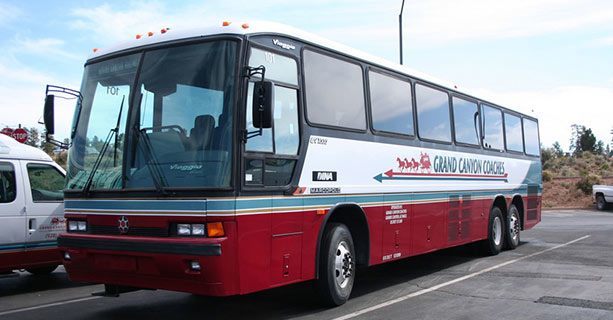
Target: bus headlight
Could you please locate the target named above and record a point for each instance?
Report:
(184, 229)
(73, 225)
(77, 226)
(197, 229)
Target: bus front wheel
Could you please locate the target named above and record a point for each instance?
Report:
(337, 265)
(495, 233)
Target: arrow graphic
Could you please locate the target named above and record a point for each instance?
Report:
(391, 175)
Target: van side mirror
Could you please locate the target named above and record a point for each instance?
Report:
(48, 114)
(263, 104)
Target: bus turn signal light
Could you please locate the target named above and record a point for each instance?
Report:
(215, 230)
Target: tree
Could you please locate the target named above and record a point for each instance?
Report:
(33, 137)
(557, 150)
(582, 140)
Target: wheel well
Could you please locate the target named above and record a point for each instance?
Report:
(519, 203)
(598, 194)
(501, 203)
(354, 218)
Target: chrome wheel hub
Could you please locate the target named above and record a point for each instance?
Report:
(343, 264)
(497, 231)
(514, 227)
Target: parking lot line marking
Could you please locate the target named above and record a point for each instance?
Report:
(448, 283)
(3, 313)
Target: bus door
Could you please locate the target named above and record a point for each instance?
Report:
(44, 205)
(269, 162)
(12, 215)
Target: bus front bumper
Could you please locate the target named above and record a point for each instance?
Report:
(152, 263)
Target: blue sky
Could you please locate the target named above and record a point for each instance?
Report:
(549, 58)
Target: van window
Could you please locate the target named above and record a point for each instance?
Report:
(8, 190)
(46, 183)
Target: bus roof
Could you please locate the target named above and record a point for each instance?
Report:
(272, 28)
(11, 149)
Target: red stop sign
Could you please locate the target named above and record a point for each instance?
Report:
(20, 134)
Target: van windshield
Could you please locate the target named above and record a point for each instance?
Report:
(158, 119)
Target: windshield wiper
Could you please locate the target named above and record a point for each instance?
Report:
(112, 132)
(152, 164)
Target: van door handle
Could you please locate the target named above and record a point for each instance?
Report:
(31, 225)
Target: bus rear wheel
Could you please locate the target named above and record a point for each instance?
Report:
(495, 234)
(40, 271)
(337, 265)
(513, 228)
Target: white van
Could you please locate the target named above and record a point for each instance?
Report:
(31, 208)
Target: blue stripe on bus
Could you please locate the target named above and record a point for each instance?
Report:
(26, 245)
(266, 203)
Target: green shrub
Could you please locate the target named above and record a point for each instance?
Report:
(547, 175)
(587, 181)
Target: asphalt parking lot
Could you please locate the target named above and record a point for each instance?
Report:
(563, 269)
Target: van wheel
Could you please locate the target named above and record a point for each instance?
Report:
(601, 203)
(495, 234)
(41, 270)
(513, 228)
(337, 265)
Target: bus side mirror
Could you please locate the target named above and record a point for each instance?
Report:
(263, 104)
(48, 114)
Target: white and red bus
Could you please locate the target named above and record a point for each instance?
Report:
(232, 159)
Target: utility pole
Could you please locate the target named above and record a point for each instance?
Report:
(400, 29)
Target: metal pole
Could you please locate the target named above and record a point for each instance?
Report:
(400, 29)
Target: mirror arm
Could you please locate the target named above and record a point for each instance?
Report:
(56, 143)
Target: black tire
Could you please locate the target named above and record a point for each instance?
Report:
(601, 203)
(336, 265)
(39, 271)
(513, 228)
(495, 235)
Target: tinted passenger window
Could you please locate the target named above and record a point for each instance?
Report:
(513, 133)
(531, 134)
(466, 121)
(432, 113)
(391, 103)
(492, 127)
(334, 91)
(8, 190)
(46, 183)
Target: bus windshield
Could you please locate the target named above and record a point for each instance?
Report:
(156, 120)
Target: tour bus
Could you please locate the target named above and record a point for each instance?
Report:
(31, 209)
(241, 157)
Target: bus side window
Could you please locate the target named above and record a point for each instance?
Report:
(492, 128)
(531, 137)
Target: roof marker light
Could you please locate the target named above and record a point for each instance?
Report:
(245, 25)
(225, 23)
(138, 36)
(95, 50)
(150, 33)
(164, 30)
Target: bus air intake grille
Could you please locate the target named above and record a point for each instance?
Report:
(132, 231)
